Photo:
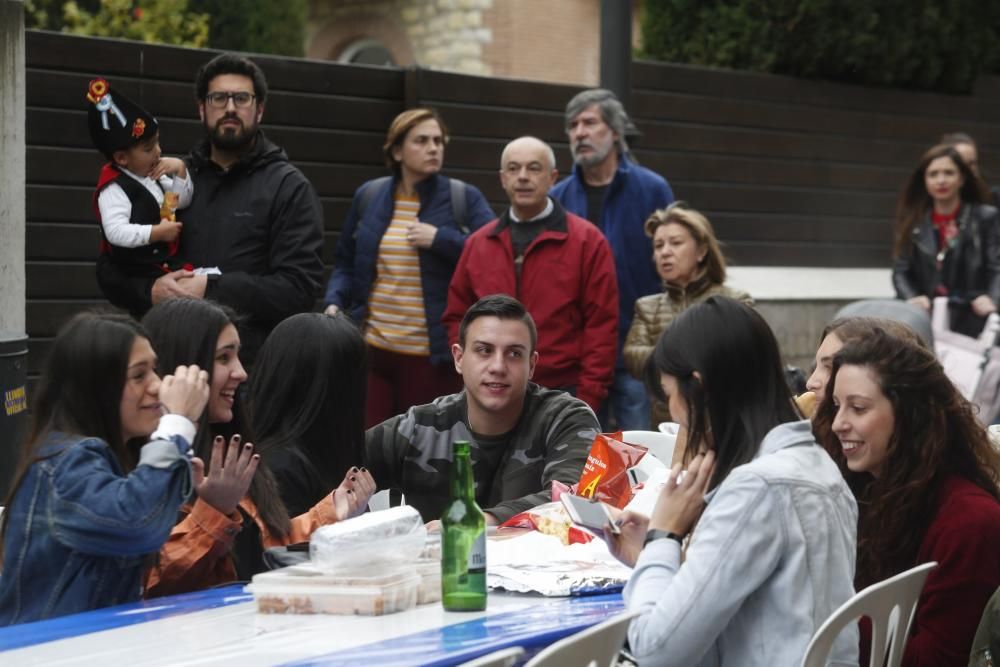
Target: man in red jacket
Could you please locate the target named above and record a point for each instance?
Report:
(559, 265)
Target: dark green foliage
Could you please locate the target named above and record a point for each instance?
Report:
(932, 44)
(263, 26)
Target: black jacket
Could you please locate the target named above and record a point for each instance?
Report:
(261, 223)
(969, 269)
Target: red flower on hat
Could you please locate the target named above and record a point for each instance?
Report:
(98, 88)
(139, 127)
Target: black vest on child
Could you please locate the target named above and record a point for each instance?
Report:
(145, 211)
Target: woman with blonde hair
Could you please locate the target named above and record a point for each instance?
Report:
(691, 264)
(397, 251)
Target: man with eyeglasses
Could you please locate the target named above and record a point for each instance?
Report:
(559, 265)
(608, 188)
(255, 217)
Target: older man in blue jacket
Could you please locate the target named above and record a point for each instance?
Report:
(611, 190)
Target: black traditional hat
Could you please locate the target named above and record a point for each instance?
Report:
(116, 122)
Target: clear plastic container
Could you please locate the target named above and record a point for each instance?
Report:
(429, 570)
(304, 590)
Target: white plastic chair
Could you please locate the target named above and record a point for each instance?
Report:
(505, 657)
(594, 647)
(891, 606)
(660, 445)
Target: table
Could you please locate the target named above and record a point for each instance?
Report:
(222, 627)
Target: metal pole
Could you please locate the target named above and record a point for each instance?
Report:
(616, 48)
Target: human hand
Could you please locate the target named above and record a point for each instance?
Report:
(168, 165)
(626, 544)
(921, 301)
(166, 230)
(983, 305)
(185, 392)
(420, 234)
(167, 287)
(332, 309)
(351, 498)
(683, 496)
(193, 285)
(227, 480)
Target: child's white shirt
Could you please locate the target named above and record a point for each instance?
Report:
(116, 209)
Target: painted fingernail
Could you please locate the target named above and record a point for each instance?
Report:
(350, 492)
(364, 470)
(354, 469)
(352, 478)
(256, 456)
(248, 446)
(237, 437)
(218, 438)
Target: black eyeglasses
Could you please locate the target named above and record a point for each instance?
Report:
(220, 100)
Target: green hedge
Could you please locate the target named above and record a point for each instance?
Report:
(261, 26)
(932, 44)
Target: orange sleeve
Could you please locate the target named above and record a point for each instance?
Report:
(196, 555)
(321, 514)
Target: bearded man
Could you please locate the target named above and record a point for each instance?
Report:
(255, 225)
(608, 188)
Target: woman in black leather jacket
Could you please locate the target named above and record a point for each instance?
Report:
(948, 241)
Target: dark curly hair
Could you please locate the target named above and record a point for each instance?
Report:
(230, 63)
(936, 435)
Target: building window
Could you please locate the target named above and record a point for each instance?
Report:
(367, 52)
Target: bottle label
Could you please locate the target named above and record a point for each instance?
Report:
(477, 555)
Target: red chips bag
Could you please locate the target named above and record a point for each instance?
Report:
(604, 474)
(604, 477)
(550, 519)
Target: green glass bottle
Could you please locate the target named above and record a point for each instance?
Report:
(463, 540)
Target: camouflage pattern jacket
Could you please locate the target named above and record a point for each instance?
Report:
(513, 472)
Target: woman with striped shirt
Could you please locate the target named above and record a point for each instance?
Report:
(397, 250)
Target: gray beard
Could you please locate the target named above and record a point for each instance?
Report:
(593, 159)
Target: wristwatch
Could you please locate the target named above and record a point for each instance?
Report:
(661, 535)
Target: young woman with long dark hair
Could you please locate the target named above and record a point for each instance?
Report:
(239, 511)
(768, 519)
(948, 240)
(926, 479)
(88, 509)
(307, 405)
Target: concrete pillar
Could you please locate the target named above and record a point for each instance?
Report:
(13, 341)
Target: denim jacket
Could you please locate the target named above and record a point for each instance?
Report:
(771, 558)
(79, 530)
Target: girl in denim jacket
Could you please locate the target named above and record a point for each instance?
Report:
(85, 512)
(768, 520)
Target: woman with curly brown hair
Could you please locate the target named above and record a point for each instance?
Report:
(948, 240)
(926, 478)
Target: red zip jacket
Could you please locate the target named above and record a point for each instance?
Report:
(568, 285)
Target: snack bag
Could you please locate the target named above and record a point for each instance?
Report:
(604, 474)
(550, 519)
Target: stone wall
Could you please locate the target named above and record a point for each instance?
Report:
(442, 34)
(541, 40)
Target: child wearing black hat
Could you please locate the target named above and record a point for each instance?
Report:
(137, 190)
